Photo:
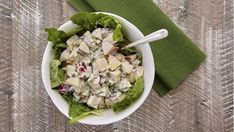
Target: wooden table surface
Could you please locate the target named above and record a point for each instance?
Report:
(203, 102)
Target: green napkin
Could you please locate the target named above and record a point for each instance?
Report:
(175, 57)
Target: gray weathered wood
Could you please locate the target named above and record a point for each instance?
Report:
(203, 102)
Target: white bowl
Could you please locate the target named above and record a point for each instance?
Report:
(108, 116)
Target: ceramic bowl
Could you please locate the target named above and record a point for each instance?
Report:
(132, 33)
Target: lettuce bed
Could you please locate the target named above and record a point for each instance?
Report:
(88, 22)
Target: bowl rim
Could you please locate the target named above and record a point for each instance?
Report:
(46, 81)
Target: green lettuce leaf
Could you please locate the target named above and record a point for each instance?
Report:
(61, 45)
(56, 36)
(86, 20)
(58, 49)
(75, 30)
(78, 111)
(107, 21)
(56, 74)
(118, 35)
(85, 114)
(129, 51)
(131, 95)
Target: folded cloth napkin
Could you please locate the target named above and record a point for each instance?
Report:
(175, 57)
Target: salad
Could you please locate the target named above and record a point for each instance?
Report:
(91, 69)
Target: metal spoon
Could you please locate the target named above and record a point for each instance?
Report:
(157, 35)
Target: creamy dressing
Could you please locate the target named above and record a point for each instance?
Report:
(96, 72)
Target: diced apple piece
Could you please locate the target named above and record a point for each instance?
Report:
(124, 84)
(131, 58)
(84, 47)
(117, 97)
(84, 99)
(85, 91)
(95, 101)
(65, 55)
(88, 37)
(139, 71)
(86, 60)
(98, 41)
(95, 68)
(77, 82)
(115, 75)
(89, 69)
(105, 32)
(136, 62)
(72, 41)
(102, 64)
(71, 70)
(109, 38)
(126, 67)
(107, 47)
(98, 55)
(93, 81)
(131, 77)
(94, 85)
(119, 56)
(90, 41)
(76, 95)
(87, 34)
(113, 62)
(102, 91)
(74, 53)
(97, 33)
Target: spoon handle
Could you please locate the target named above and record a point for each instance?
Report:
(157, 35)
